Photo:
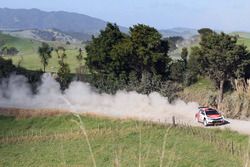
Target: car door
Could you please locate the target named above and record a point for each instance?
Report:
(202, 115)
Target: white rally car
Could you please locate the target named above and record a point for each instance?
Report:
(209, 116)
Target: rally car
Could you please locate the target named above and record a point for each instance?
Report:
(209, 116)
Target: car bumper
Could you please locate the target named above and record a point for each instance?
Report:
(215, 121)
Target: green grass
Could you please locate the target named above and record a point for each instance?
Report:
(245, 41)
(32, 61)
(58, 141)
(242, 34)
(29, 56)
(203, 92)
(202, 84)
(24, 46)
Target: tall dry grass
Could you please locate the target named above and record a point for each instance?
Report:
(28, 113)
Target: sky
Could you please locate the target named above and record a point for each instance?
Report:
(226, 15)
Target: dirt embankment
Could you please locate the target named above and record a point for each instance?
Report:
(235, 105)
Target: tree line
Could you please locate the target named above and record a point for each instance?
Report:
(139, 61)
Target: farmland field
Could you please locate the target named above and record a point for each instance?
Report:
(29, 58)
(61, 140)
(245, 41)
(32, 61)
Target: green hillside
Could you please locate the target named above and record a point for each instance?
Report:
(32, 61)
(242, 34)
(61, 141)
(24, 46)
(29, 57)
(245, 41)
(244, 38)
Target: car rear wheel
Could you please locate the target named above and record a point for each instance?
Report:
(197, 119)
(205, 122)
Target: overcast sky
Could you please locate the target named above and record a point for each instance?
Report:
(227, 15)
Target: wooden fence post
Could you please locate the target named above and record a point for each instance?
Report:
(173, 121)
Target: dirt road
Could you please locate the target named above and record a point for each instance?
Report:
(182, 117)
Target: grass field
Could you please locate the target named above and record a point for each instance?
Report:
(245, 41)
(33, 62)
(241, 34)
(24, 46)
(29, 56)
(63, 141)
(30, 60)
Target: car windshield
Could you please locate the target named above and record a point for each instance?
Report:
(212, 112)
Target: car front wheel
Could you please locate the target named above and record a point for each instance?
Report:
(205, 122)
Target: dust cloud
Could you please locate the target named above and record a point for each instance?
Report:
(80, 97)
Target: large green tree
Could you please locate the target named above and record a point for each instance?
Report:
(220, 57)
(99, 58)
(150, 52)
(115, 55)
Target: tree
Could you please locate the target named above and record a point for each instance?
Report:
(5, 50)
(99, 59)
(150, 53)
(6, 67)
(194, 66)
(184, 55)
(205, 31)
(114, 58)
(173, 41)
(45, 54)
(9, 51)
(12, 51)
(79, 59)
(61, 55)
(63, 73)
(220, 57)
(177, 71)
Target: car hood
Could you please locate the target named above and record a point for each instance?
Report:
(216, 116)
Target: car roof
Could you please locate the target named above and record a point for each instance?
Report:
(207, 109)
(203, 108)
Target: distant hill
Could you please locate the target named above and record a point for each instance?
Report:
(244, 38)
(241, 34)
(37, 19)
(77, 25)
(45, 35)
(183, 32)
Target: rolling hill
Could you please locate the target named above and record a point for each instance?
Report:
(24, 46)
(45, 35)
(36, 19)
(179, 31)
(28, 57)
(244, 38)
